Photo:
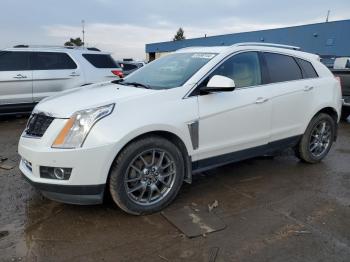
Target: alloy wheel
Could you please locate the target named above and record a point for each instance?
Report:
(150, 176)
(320, 138)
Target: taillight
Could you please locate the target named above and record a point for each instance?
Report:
(118, 73)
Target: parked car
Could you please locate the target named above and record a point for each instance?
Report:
(29, 74)
(341, 69)
(141, 137)
(130, 66)
(328, 60)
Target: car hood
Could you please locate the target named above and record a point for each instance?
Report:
(64, 104)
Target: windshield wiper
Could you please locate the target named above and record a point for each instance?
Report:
(118, 81)
(136, 84)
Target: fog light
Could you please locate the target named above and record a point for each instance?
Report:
(60, 173)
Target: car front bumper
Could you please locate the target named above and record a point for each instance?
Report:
(89, 170)
(70, 194)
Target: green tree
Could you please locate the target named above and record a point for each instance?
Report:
(74, 42)
(180, 35)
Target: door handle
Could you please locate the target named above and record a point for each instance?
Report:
(308, 88)
(20, 76)
(74, 74)
(261, 100)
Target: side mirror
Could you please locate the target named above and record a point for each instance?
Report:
(219, 83)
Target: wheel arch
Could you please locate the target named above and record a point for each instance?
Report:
(173, 138)
(332, 112)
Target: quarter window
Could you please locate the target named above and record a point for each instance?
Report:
(282, 68)
(242, 68)
(52, 61)
(100, 60)
(14, 61)
(308, 69)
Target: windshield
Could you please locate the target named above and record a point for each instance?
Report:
(169, 71)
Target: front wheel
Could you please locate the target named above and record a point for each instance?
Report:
(317, 139)
(147, 175)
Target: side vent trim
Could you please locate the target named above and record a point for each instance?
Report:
(193, 128)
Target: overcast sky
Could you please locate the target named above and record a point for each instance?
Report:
(124, 27)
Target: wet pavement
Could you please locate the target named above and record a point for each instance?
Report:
(274, 210)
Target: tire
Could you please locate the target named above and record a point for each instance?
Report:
(312, 138)
(142, 167)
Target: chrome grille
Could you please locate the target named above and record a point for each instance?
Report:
(38, 124)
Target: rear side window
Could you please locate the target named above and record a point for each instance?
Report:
(14, 61)
(100, 60)
(52, 61)
(307, 68)
(282, 68)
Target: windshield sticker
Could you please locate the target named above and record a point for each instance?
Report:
(203, 56)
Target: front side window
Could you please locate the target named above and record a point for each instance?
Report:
(52, 61)
(170, 71)
(282, 68)
(243, 69)
(14, 61)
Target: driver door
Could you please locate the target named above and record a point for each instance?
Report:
(237, 120)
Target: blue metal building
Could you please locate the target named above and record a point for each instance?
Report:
(325, 39)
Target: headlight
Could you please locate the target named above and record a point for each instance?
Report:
(74, 133)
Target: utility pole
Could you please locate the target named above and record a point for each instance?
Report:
(327, 19)
(83, 31)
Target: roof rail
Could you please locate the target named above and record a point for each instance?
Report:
(43, 46)
(20, 46)
(57, 46)
(267, 44)
(190, 47)
(93, 49)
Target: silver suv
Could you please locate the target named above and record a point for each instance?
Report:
(29, 74)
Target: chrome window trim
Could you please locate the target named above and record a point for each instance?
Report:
(187, 95)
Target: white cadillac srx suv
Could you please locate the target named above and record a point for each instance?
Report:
(141, 137)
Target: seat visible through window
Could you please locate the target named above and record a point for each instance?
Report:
(242, 68)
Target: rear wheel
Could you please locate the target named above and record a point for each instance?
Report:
(147, 175)
(317, 139)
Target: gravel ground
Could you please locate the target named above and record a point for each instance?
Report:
(274, 209)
